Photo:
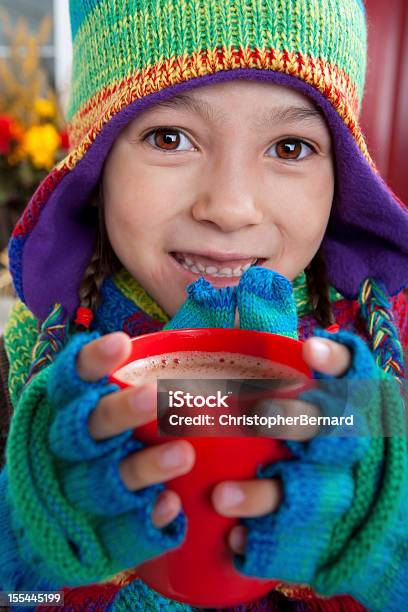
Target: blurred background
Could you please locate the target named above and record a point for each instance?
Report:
(35, 61)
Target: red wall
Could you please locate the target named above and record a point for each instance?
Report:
(385, 106)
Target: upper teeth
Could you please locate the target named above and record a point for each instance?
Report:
(189, 264)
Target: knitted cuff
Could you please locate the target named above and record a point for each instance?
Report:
(64, 383)
(131, 539)
(266, 302)
(205, 307)
(69, 435)
(95, 487)
(287, 544)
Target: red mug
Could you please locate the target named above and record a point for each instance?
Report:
(200, 572)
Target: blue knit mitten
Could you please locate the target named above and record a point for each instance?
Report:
(339, 524)
(72, 518)
(266, 302)
(89, 470)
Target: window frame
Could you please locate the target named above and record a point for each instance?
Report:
(63, 50)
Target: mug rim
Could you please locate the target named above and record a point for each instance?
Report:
(282, 342)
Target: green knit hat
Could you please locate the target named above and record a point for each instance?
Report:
(131, 54)
(128, 50)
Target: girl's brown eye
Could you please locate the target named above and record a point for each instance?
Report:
(165, 139)
(168, 139)
(291, 149)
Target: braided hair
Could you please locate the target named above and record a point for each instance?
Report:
(103, 263)
(374, 307)
(382, 330)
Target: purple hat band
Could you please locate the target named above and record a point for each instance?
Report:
(366, 235)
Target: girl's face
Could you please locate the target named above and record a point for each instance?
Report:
(209, 182)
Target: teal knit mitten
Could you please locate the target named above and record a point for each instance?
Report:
(340, 527)
(78, 522)
(205, 307)
(264, 300)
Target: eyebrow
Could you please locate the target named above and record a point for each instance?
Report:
(200, 107)
(272, 116)
(290, 114)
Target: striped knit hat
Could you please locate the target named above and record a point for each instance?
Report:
(130, 54)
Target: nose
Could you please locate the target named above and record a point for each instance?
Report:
(228, 195)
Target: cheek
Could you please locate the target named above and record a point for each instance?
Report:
(138, 205)
(147, 195)
(320, 186)
(310, 204)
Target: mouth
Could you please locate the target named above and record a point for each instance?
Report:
(217, 265)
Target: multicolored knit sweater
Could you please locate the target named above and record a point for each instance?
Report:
(125, 306)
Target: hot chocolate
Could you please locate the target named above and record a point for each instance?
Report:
(204, 365)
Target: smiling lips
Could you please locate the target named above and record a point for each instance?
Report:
(220, 268)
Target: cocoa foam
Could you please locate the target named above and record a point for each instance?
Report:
(203, 365)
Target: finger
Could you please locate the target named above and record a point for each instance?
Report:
(326, 356)
(167, 507)
(157, 464)
(294, 419)
(100, 357)
(123, 410)
(247, 497)
(237, 539)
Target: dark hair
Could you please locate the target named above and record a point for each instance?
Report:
(318, 286)
(104, 261)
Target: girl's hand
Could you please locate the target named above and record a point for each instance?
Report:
(253, 498)
(128, 409)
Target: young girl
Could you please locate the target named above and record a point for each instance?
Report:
(218, 177)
